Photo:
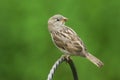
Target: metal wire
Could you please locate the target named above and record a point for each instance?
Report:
(58, 62)
(54, 67)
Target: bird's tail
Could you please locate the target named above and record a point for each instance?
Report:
(94, 60)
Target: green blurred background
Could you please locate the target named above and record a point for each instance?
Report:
(26, 49)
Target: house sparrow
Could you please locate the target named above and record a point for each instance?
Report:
(67, 40)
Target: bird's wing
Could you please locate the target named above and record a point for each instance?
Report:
(68, 40)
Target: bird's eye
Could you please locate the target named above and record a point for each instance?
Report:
(57, 19)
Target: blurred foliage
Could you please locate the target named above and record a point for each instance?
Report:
(26, 49)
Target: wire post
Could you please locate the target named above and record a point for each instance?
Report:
(72, 66)
(58, 62)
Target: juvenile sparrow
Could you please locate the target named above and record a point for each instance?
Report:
(67, 40)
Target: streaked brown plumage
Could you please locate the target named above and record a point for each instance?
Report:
(67, 40)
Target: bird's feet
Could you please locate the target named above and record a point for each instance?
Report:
(67, 57)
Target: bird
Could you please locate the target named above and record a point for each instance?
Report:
(67, 40)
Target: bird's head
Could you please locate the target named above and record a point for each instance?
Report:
(57, 20)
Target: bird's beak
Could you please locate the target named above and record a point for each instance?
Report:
(64, 19)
